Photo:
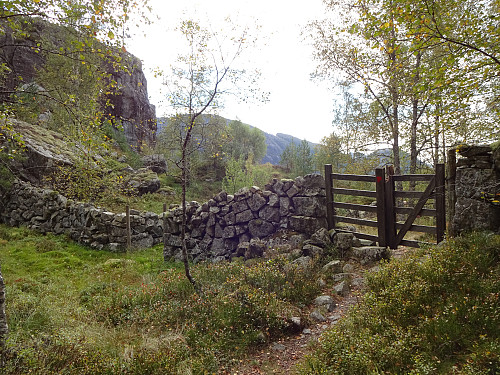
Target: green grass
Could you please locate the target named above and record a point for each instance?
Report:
(74, 310)
(437, 312)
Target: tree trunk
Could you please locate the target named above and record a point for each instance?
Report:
(185, 257)
(414, 125)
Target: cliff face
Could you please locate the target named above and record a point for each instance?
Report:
(130, 103)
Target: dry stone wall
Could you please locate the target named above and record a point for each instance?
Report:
(477, 189)
(47, 211)
(225, 226)
(217, 229)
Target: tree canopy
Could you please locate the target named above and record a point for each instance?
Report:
(419, 75)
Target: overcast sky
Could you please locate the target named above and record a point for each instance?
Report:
(296, 106)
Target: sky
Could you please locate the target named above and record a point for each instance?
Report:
(296, 106)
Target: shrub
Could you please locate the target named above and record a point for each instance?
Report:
(436, 311)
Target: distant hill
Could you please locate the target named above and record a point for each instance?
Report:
(275, 143)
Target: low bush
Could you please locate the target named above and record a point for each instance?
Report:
(436, 312)
(75, 310)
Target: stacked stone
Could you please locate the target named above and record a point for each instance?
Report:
(217, 227)
(477, 189)
(47, 211)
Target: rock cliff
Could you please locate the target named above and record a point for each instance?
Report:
(129, 101)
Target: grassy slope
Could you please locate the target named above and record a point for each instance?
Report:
(73, 310)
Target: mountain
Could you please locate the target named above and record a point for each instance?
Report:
(275, 143)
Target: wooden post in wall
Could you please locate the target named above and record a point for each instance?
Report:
(390, 212)
(440, 203)
(381, 209)
(164, 228)
(329, 196)
(129, 230)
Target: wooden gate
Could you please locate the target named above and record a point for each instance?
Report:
(391, 233)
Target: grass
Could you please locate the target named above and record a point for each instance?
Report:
(74, 310)
(436, 312)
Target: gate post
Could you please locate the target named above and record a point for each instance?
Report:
(329, 196)
(390, 212)
(380, 189)
(440, 203)
(450, 187)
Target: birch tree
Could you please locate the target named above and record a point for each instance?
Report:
(197, 85)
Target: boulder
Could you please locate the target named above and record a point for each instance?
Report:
(312, 250)
(155, 162)
(255, 249)
(256, 202)
(143, 181)
(333, 267)
(370, 254)
(306, 225)
(260, 228)
(321, 238)
(343, 241)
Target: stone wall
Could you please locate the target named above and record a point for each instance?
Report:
(215, 229)
(477, 189)
(225, 225)
(47, 211)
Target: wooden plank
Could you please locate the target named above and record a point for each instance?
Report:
(414, 177)
(408, 210)
(356, 207)
(440, 203)
(353, 177)
(450, 179)
(418, 228)
(418, 207)
(352, 220)
(390, 214)
(357, 193)
(380, 190)
(408, 194)
(329, 196)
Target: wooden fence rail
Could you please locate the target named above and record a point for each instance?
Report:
(390, 232)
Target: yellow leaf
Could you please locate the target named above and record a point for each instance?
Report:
(111, 35)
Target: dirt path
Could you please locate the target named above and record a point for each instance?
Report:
(282, 356)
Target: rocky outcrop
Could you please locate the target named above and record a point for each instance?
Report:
(130, 103)
(477, 189)
(156, 162)
(129, 100)
(142, 181)
(43, 151)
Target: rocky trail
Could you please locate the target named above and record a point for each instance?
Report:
(282, 356)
